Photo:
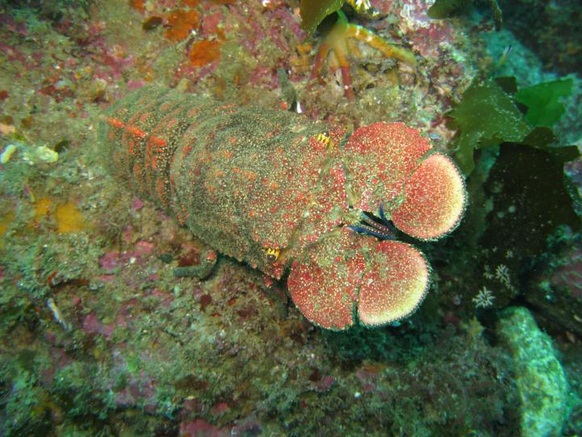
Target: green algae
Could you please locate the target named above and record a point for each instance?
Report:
(447, 8)
(544, 101)
(488, 115)
(451, 8)
(314, 11)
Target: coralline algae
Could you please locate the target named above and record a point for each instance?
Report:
(540, 378)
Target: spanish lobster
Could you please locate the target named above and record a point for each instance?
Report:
(281, 193)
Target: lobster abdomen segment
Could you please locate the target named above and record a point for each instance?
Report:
(243, 179)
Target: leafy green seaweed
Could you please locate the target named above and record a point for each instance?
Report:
(314, 11)
(447, 8)
(543, 101)
(488, 116)
(442, 9)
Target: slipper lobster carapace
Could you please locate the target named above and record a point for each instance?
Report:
(281, 193)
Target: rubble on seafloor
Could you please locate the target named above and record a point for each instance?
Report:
(99, 337)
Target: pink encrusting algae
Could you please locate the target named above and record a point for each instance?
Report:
(271, 188)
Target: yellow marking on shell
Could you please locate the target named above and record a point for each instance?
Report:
(325, 139)
(272, 254)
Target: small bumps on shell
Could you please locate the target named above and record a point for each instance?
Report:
(434, 199)
(394, 284)
(274, 190)
(348, 278)
(379, 158)
(391, 165)
(323, 284)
